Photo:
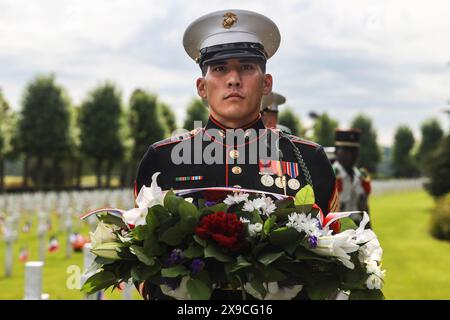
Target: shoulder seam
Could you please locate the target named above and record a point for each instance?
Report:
(192, 134)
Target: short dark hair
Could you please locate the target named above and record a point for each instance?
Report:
(261, 63)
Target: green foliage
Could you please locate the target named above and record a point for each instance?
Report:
(369, 152)
(432, 135)
(169, 117)
(402, 161)
(440, 218)
(439, 169)
(99, 122)
(288, 118)
(324, 128)
(45, 118)
(196, 111)
(146, 122)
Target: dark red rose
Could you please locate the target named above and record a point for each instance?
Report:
(223, 228)
(335, 226)
(215, 195)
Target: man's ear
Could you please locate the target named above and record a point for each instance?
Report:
(201, 88)
(267, 84)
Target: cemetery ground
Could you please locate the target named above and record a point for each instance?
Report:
(417, 265)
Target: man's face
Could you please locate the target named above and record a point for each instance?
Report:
(234, 89)
(347, 156)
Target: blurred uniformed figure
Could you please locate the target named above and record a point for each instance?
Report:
(269, 111)
(353, 184)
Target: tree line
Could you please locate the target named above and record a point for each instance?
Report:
(59, 142)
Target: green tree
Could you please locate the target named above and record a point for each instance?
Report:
(196, 111)
(402, 161)
(439, 169)
(324, 128)
(5, 119)
(44, 127)
(147, 124)
(169, 117)
(369, 152)
(288, 118)
(432, 135)
(100, 132)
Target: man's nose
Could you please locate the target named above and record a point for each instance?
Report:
(234, 79)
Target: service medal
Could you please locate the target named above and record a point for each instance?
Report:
(279, 182)
(267, 180)
(294, 184)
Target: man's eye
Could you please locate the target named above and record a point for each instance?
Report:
(248, 67)
(218, 68)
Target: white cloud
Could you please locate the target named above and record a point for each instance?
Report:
(388, 59)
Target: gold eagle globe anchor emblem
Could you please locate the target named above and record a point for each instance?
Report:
(229, 20)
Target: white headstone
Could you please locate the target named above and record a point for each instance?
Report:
(33, 280)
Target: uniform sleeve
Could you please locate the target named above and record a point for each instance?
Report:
(147, 167)
(327, 197)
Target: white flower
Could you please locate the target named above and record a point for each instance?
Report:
(135, 216)
(374, 282)
(147, 198)
(243, 220)
(306, 224)
(264, 205)
(274, 291)
(254, 229)
(236, 198)
(370, 251)
(339, 246)
(179, 293)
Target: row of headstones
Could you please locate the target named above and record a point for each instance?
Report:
(33, 279)
(17, 205)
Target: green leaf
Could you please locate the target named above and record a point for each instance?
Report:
(141, 255)
(213, 209)
(200, 241)
(151, 245)
(198, 290)
(269, 224)
(284, 236)
(160, 214)
(366, 295)
(139, 232)
(110, 219)
(109, 250)
(256, 217)
(268, 258)
(257, 284)
(212, 251)
(142, 272)
(174, 272)
(302, 253)
(187, 210)
(193, 251)
(99, 281)
(173, 236)
(347, 223)
(305, 196)
(284, 203)
(239, 264)
(172, 202)
(321, 290)
(273, 275)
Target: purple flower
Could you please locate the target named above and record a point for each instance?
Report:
(175, 257)
(312, 241)
(210, 203)
(197, 265)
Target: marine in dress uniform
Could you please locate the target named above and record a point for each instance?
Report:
(269, 111)
(287, 162)
(353, 184)
(256, 157)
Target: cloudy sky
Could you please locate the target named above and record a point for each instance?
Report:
(387, 59)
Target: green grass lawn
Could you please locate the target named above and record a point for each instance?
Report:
(418, 266)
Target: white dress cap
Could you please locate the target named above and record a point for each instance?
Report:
(231, 26)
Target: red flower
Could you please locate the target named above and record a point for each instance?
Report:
(215, 195)
(224, 228)
(367, 186)
(335, 226)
